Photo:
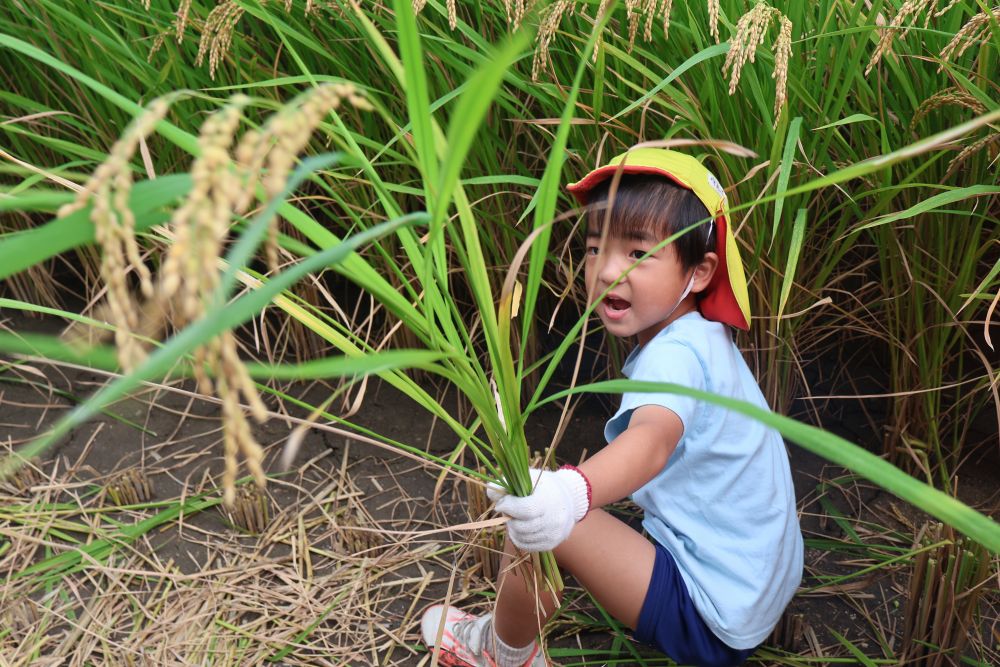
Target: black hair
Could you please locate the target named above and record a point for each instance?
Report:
(649, 204)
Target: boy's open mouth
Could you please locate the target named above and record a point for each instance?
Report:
(615, 306)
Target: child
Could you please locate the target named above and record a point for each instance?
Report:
(726, 551)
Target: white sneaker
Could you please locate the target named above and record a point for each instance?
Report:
(465, 638)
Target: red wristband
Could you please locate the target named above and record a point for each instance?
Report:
(590, 492)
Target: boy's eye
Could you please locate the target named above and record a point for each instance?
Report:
(637, 254)
(592, 250)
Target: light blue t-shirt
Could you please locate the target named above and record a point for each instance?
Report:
(724, 505)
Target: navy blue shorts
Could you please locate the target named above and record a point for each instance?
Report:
(670, 622)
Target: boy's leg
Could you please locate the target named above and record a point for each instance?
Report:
(610, 559)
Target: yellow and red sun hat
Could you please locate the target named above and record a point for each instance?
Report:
(725, 299)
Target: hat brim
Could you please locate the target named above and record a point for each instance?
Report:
(726, 298)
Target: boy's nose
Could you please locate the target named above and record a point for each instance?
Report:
(610, 269)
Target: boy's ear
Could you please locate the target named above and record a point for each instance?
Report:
(704, 271)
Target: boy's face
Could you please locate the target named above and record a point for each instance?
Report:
(647, 299)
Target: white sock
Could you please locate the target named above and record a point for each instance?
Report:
(509, 656)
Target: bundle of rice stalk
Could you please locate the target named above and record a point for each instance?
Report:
(477, 350)
(947, 584)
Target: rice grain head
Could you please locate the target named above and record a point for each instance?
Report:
(189, 275)
(782, 52)
(986, 142)
(951, 96)
(601, 11)
(632, 15)
(217, 35)
(290, 132)
(947, 8)
(182, 19)
(516, 10)
(190, 271)
(108, 190)
(713, 19)
(907, 16)
(224, 186)
(158, 43)
(668, 6)
(649, 9)
(232, 380)
(548, 25)
(748, 36)
(976, 30)
(888, 34)
(190, 278)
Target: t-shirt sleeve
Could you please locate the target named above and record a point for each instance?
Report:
(670, 362)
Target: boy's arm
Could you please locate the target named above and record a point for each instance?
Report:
(635, 456)
(544, 519)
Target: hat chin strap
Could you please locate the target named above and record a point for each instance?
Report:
(687, 290)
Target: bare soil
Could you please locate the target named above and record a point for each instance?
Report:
(357, 543)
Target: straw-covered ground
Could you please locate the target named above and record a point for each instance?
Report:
(353, 546)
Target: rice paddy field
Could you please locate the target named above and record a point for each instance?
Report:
(283, 284)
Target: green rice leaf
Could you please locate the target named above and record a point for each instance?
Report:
(34, 199)
(932, 203)
(370, 364)
(798, 233)
(52, 347)
(980, 291)
(183, 139)
(56, 567)
(480, 91)
(26, 249)
(853, 118)
(417, 98)
(855, 651)
(547, 194)
(787, 159)
(104, 357)
(713, 51)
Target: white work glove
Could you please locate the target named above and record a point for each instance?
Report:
(544, 519)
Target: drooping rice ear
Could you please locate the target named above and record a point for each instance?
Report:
(975, 31)
(749, 34)
(108, 190)
(190, 275)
